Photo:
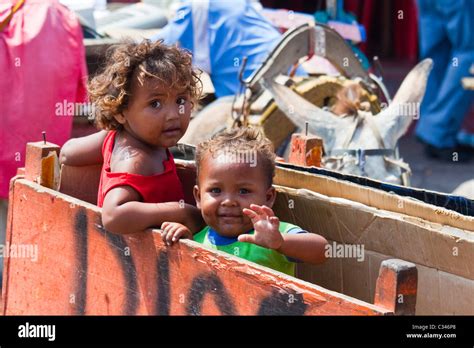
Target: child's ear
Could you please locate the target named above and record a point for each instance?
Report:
(120, 118)
(270, 196)
(197, 196)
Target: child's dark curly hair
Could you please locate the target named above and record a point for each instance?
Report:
(240, 140)
(110, 90)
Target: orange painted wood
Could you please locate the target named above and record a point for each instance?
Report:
(396, 286)
(36, 169)
(80, 182)
(83, 269)
(306, 150)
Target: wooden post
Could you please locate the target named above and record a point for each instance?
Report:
(306, 150)
(397, 287)
(42, 164)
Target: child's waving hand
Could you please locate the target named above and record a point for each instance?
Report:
(305, 247)
(266, 225)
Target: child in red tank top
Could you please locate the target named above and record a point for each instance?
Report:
(143, 100)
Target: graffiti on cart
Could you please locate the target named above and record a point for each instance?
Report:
(203, 284)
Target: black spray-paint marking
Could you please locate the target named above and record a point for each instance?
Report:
(282, 303)
(129, 271)
(163, 268)
(209, 283)
(80, 239)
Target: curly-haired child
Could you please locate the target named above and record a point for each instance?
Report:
(142, 100)
(234, 191)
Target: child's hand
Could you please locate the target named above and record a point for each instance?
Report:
(172, 231)
(266, 225)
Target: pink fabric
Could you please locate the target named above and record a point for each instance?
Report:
(42, 62)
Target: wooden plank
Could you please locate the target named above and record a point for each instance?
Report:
(396, 286)
(83, 269)
(41, 163)
(438, 293)
(306, 150)
(396, 235)
(372, 197)
(80, 182)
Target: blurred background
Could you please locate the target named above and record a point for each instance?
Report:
(387, 29)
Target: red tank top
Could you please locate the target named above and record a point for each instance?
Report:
(158, 188)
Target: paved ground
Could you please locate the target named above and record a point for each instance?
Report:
(431, 174)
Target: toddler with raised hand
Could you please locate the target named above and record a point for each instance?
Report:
(234, 191)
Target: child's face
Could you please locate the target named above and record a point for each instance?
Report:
(155, 114)
(224, 190)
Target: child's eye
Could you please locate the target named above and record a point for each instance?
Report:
(215, 190)
(155, 104)
(243, 191)
(181, 101)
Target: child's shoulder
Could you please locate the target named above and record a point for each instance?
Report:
(130, 157)
(130, 160)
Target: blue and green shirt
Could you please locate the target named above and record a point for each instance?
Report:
(252, 252)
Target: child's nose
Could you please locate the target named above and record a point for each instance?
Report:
(229, 201)
(173, 112)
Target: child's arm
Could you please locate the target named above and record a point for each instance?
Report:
(306, 247)
(122, 212)
(83, 151)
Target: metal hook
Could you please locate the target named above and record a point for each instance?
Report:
(242, 70)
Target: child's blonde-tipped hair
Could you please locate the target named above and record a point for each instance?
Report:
(110, 90)
(240, 140)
